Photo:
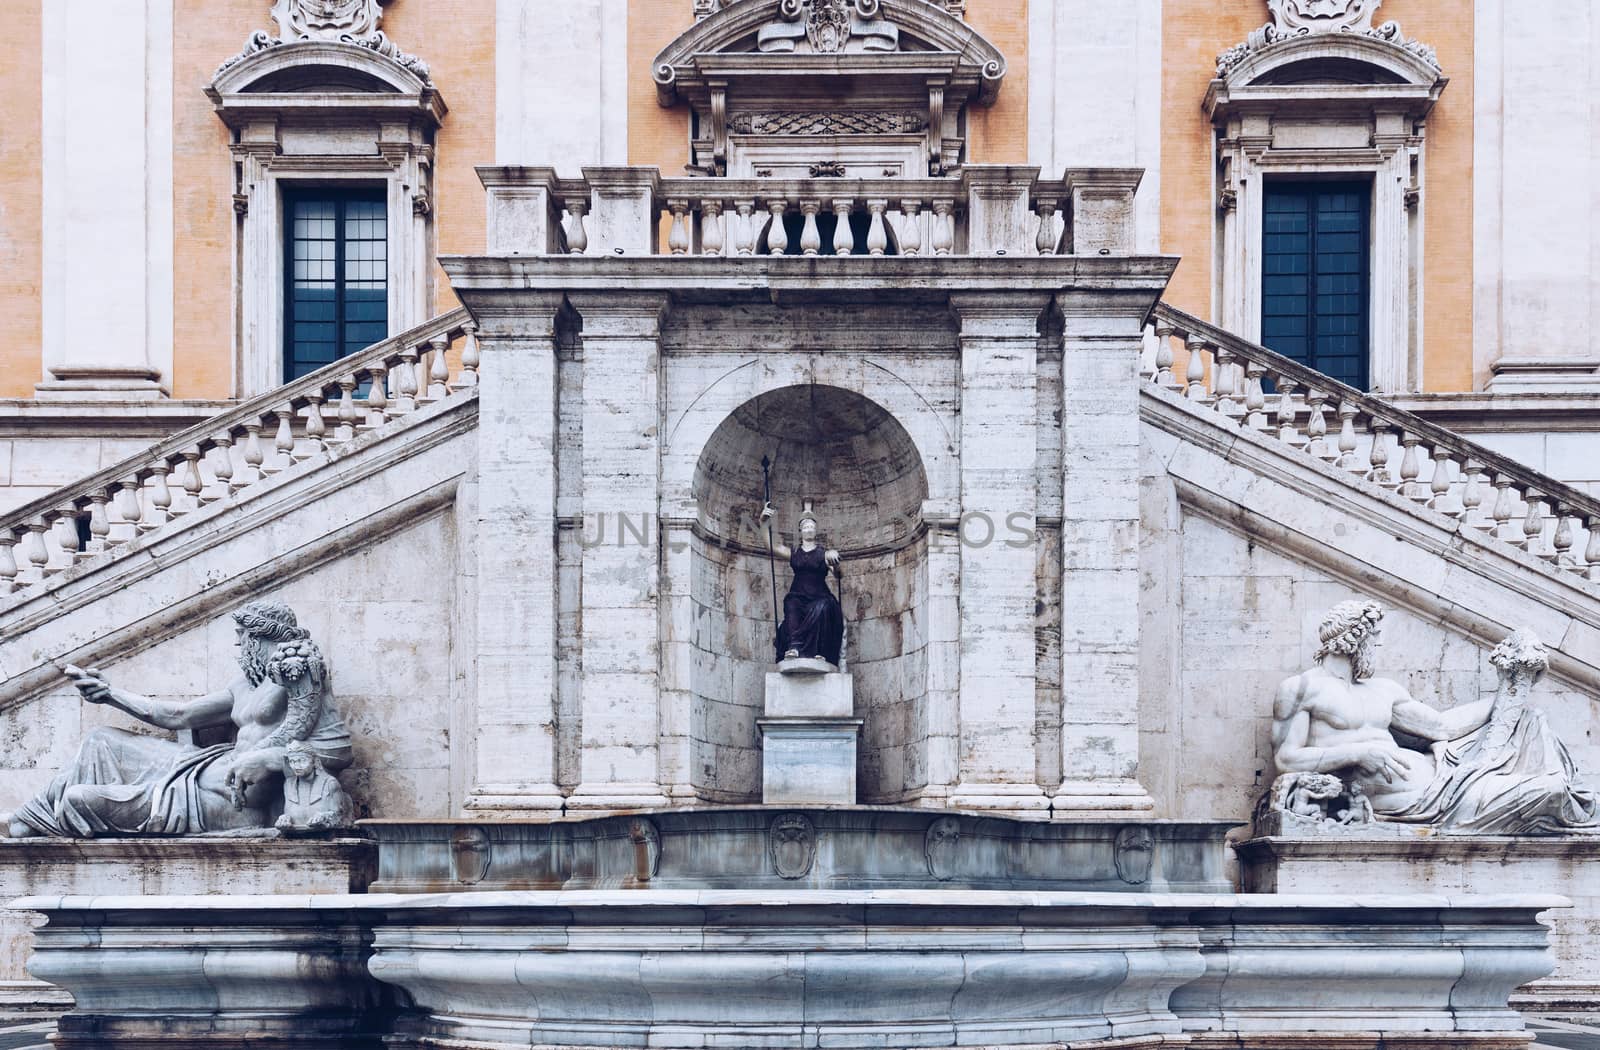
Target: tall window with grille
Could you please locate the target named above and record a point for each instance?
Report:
(336, 294)
(1314, 276)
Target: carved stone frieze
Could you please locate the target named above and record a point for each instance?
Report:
(1301, 18)
(354, 22)
(829, 122)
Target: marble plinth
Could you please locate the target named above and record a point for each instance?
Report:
(161, 866)
(808, 761)
(794, 693)
(796, 968)
(1413, 860)
(801, 848)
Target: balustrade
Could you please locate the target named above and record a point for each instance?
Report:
(1526, 510)
(211, 462)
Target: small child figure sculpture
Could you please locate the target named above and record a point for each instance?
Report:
(312, 797)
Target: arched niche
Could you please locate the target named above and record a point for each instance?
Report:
(1321, 93)
(879, 86)
(861, 470)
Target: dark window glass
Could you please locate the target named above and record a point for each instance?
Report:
(336, 296)
(1314, 276)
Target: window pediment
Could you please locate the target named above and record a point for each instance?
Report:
(841, 74)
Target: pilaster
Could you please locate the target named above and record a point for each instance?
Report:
(1103, 336)
(513, 765)
(621, 574)
(999, 334)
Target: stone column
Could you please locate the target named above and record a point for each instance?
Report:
(514, 724)
(621, 576)
(999, 333)
(1100, 555)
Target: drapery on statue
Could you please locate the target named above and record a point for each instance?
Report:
(813, 622)
(125, 783)
(1492, 767)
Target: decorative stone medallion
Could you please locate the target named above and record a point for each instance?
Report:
(792, 841)
(646, 848)
(939, 845)
(470, 853)
(828, 27)
(1135, 853)
(326, 19)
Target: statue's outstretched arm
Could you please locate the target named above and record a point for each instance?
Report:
(773, 545)
(1418, 719)
(212, 709)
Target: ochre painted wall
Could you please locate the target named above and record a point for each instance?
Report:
(202, 197)
(655, 135)
(998, 134)
(1193, 32)
(21, 202)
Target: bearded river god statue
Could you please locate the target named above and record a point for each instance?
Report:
(1491, 767)
(125, 783)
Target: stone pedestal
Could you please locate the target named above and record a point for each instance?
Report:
(175, 866)
(808, 737)
(1415, 861)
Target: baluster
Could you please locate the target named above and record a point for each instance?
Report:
(128, 511)
(36, 551)
(1288, 415)
(678, 234)
(221, 467)
(404, 377)
(1441, 496)
(377, 395)
(577, 237)
(8, 561)
(844, 238)
(877, 235)
(1562, 540)
(1591, 552)
(944, 227)
(439, 368)
(1505, 509)
(1045, 241)
(1533, 526)
(1224, 401)
(745, 228)
(99, 523)
(347, 408)
(810, 234)
(471, 358)
(1347, 459)
(254, 457)
(1195, 372)
(1317, 427)
(1164, 356)
(1255, 397)
(158, 501)
(316, 427)
(711, 239)
(65, 530)
(1472, 496)
(777, 236)
(1411, 469)
(910, 228)
(190, 481)
(1378, 456)
(283, 441)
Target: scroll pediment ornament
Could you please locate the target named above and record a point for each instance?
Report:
(354, 22)
(828, 27)
(1293, 19)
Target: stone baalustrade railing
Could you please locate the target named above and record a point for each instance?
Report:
(985, 210)
(1369, 438)
(239, 448)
